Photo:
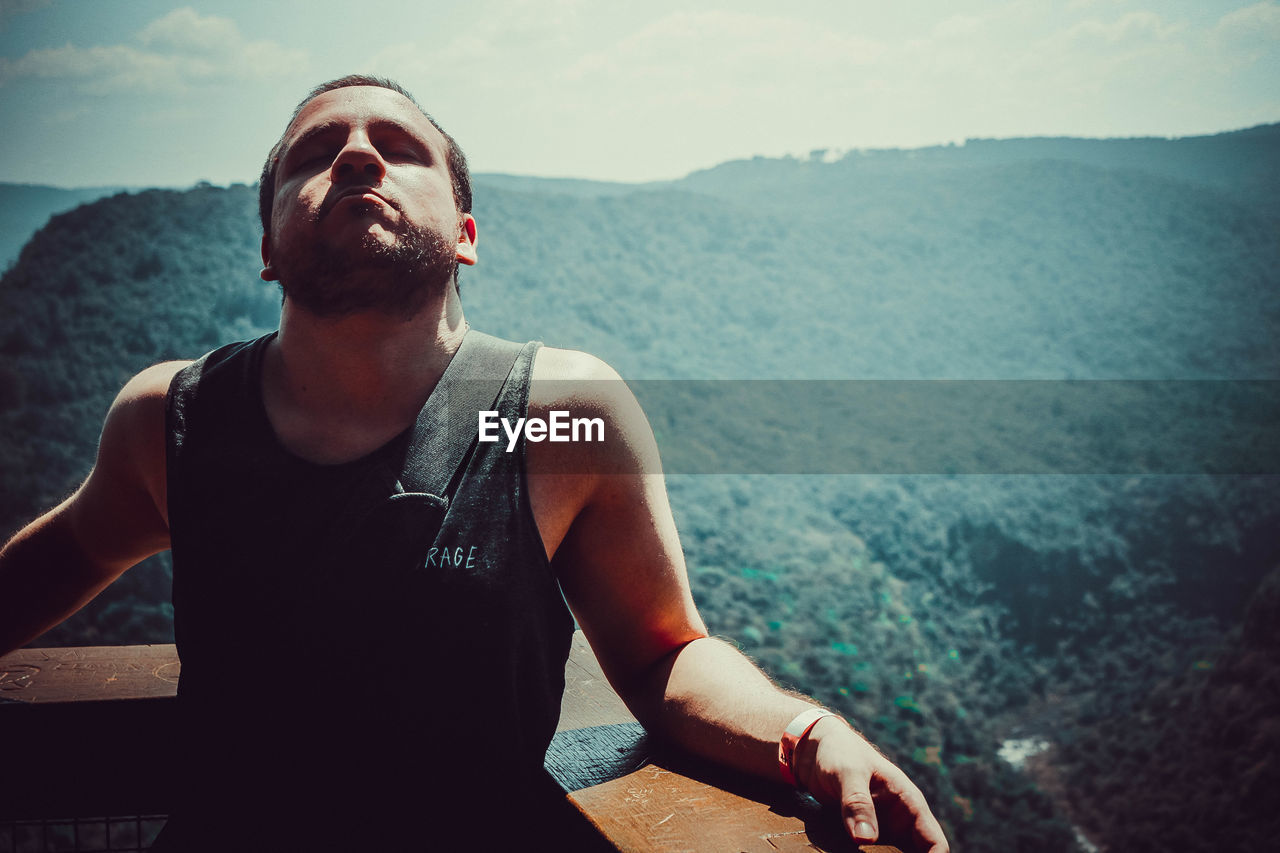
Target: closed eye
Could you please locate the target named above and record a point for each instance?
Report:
(311, 159)
(400, 147)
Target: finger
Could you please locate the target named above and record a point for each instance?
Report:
(925, 827)
(928, 830)
(859, 813)
(905, 811)
(932, 835)
(931, 832)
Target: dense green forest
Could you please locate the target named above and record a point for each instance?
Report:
(25, 207)
(1118, 626)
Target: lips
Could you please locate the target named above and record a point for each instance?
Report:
(357, 192)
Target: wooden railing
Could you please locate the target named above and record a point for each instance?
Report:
(84, 733)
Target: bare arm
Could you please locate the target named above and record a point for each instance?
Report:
(715, 702)
(55, 565)
(623, 572)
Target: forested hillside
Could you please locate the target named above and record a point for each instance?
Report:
(25, 207)
(1097, 621)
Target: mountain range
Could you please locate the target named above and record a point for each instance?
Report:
(948, 613)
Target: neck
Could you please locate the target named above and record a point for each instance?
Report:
(359, 379)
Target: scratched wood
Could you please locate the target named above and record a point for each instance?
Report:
(699, 810)
(655, 809)
(89, 673)
(640, 800)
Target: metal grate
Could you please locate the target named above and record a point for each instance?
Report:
(81, 835)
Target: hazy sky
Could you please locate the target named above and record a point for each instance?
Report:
(147, 92)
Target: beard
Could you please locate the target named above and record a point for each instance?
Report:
(397, 280)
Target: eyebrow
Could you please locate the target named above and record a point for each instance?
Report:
(373, 126)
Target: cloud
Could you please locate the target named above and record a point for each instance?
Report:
(174, 53)
(1134, 26)
(527, 21)
(185, 29)
(1260, 19)
(1087, 4)
(539, 32)
(730, 51)
(100, 69)
(1246, 34)
(957, 27)
(408, 61)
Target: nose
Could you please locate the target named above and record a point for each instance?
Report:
(358, 160)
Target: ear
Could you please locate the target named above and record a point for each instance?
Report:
(267, 274)
(467, 240)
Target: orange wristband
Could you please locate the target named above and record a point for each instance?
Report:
(795, 732)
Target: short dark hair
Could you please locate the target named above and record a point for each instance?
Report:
(457, 161)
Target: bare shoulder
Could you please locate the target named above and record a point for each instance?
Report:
(138, 410)
(568, 379)
(567, 364)
(151, 385)
(133, 436)
(580, 384)
(577, 386)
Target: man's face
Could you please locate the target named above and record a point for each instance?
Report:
(363, 216)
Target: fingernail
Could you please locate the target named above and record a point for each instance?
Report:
(863, 829)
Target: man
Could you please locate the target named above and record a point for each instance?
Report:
(283, 475)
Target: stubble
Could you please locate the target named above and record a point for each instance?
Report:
(396, 279)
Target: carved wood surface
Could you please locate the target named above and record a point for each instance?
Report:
(89, 673)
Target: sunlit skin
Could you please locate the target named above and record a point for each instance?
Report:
(356, 164)
(359, 168)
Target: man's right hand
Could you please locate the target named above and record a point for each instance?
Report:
(876, 799)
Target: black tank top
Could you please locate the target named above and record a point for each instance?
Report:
(361, 665)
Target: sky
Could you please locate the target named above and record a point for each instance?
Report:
(154, 93)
